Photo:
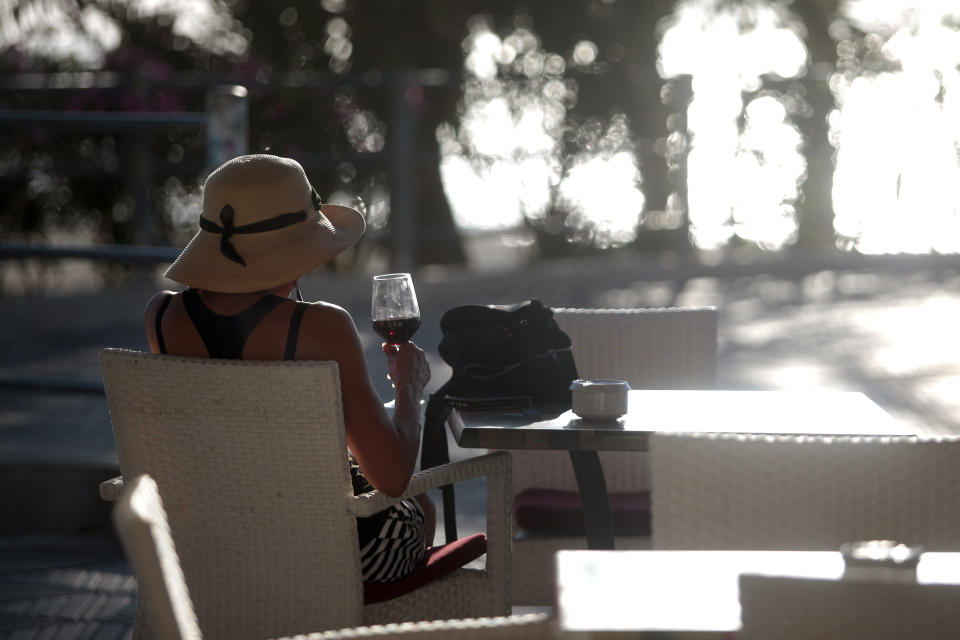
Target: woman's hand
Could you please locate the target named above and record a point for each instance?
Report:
(407, 366)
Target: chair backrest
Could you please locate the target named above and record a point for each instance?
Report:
(670, 348)
(728, 491)
(533, 626)
(667, 348)
(250, 458)
(143, 529)
(788, 608)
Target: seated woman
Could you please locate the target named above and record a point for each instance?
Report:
(262, 227)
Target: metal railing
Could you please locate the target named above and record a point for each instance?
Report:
(133, 254)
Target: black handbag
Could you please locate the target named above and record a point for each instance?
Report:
(500, 356)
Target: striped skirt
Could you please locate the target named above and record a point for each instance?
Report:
(397, 547)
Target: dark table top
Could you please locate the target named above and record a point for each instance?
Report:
(762, 412)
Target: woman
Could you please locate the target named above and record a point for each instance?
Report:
(261, 228)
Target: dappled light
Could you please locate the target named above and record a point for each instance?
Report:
(767, 172)
(494, 199)
(83, 34)
(509, 148)
(500, 164)
(601, 194)
(48, 30)
(208, 23)
(895, 127)
(741, 182)
(180, 207)
(748, 124)
(338, 45)
(897, 181)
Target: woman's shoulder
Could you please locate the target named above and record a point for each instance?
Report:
(331, 324)
(321, 309)
(156, 301)
(331, 316)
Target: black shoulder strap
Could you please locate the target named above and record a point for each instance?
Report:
(294, 332)
(161, 345)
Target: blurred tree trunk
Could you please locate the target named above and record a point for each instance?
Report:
(440, 241)
(816, 213)
(624, 80)
(648, 114)
(405, 38)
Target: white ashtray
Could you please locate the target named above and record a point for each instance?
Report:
(880, 561)
(599, 399)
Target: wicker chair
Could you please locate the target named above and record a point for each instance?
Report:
(673, 348)
(788, 608)
(535, 626)
(142, 525)
(727, 491)
(162, 592)
(265, 525)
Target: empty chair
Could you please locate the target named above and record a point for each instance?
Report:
(264, 523)
(727, 491)
(672, 348)
(789, 608)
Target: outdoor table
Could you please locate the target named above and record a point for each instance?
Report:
(615, 592)
(812, 412)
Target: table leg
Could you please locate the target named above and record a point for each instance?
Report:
(593, 494)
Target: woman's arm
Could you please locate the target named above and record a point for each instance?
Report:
(385, 449)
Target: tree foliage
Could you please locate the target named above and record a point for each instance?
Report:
(331, 82)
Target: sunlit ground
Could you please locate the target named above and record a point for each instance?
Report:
(890, 337)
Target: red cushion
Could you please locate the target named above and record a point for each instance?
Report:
(437, 562)
(558, 512)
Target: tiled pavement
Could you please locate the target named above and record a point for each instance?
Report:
(889, 336)
(55, 587)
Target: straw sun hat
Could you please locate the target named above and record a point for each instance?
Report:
(262, 225)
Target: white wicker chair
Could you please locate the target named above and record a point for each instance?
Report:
(671, 348)
(142, 525)
(162, 591)
(250, 457)
(726, 491)
(536, 626)
(782, 608)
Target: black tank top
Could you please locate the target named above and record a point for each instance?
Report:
(225, 336)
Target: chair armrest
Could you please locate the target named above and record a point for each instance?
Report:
(496, 467)
(521, 625)
(111, 489)
(490, 464)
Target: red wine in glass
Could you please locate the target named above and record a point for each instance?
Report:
(394, 310)
(396, 330)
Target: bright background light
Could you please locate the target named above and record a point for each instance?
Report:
(897, 133)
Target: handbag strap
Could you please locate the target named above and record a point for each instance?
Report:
(434, 452)
(494, 372)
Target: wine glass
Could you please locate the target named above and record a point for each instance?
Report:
(395, 312)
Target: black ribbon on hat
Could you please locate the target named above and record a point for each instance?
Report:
(228, 229)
